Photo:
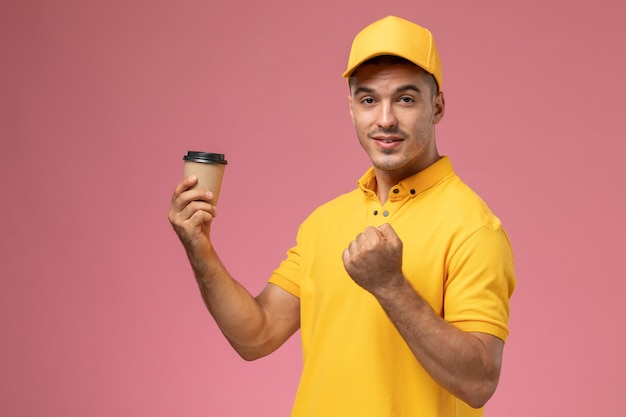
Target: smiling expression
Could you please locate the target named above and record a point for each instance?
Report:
(395, 112)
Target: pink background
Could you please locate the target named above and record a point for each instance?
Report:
(99, 100)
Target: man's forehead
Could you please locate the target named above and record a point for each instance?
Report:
(387, 62)
(399, 73)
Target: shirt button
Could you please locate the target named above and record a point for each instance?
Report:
(412, 191)
(385, 213)
(375, 212)
(396, 191)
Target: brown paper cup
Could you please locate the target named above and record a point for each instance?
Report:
(209, 168)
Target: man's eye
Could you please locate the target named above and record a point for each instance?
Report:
(405, 99)
(367, 100)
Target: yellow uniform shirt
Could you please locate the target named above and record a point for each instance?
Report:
(456, 256)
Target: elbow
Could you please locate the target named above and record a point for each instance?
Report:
(478, 400)
(478, 388)
(250, 356)
(480, 394)
(251, 353)
(249, 349)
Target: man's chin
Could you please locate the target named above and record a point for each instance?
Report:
(387, 165)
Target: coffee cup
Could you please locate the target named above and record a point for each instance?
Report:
(209, 168)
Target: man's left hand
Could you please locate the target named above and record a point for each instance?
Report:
(374, 259)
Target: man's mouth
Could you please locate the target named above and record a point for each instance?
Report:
(387, 143)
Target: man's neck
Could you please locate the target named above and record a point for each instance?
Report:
(386, 180)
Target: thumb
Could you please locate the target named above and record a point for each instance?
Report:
(387, 232)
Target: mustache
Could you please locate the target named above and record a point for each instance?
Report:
(394, 131)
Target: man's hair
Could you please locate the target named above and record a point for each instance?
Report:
(397, 60)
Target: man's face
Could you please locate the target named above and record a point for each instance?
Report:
(395, 113)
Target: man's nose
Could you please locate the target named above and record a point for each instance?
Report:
(386, 116)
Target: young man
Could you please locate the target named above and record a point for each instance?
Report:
(401, 287)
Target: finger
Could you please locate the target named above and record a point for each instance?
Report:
(370, 238)
(390, 236)
(198, 222)
(187, 197)
(184, 185)
(386, 231)
(345, 256)
(201, 217)
(372, 232)
(180, 213)
(178, 202)
(198, 205)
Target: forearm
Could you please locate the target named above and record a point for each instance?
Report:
(459, 361)
(238, 314)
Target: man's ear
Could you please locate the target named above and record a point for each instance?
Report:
(351, 111)
(439, 107)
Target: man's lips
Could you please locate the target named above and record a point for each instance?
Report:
(387, 141)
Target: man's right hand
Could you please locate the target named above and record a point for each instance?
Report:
(191, 214)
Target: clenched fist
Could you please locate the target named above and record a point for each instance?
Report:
(374, 259)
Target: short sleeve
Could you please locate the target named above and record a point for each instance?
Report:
(480, 282)
(288, 274)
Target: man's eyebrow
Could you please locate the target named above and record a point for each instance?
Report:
(365, 90)
(401, 89)
(408, 87)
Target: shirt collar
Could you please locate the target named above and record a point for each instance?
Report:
(413, 185)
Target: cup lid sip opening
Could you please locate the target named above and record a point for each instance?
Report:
(205, 157)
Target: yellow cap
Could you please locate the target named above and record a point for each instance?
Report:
(395, 36)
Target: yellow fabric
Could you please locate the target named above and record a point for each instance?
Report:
(456, 256)
(396, 36)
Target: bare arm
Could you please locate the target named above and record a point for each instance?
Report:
(466, 364)
(254, 326)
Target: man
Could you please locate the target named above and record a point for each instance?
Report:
(401, 287)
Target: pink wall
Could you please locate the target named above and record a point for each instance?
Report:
(99, 313)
